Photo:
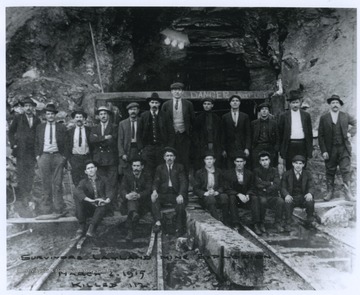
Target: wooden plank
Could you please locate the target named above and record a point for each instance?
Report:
(159, 264)
(19, 234)
(80, 243)
(33, 220)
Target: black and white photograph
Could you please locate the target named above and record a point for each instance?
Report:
(180, 146)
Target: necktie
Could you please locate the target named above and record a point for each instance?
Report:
(234, 116)
(154, 126)
(51, 133)
(297, 176)
(80, 137)
(170, 183)
(176, 104)
(132, 130)
(93, 183)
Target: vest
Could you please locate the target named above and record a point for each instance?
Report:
(337, 134)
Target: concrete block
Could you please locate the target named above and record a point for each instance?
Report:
(229, 254)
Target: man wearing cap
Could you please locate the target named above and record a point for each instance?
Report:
(266, 188)
(103, 139)
(180, 115)
(295, 130)
(239, 188)
(135, 194)
(336, 128)
(154, 134)
(297, 189)
(209, 187)
(170, 186)
(236, 130)
(265, 136)
(79, 145)
(22, 140)
(129, 137)
(52, 152)
(206, 132)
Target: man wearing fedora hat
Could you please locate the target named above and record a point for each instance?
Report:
(51, 154)
(154, 133)
(235, 131)
(180, 117)
(22, 140)
(103, 139)
(265, 136)
(336, 128)
(295, 131)
(206, 133)
(79, 145)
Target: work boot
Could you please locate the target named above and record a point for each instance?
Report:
(81, 230)
(330, 190)
(135, 218)
(278, 227)
(257, 229)
(348, 194)
(262, 228)
(91, 231)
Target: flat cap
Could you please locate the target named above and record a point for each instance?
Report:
(103, 108)
(177, 85)
(169, 149)
(335, 97)
(263, 154)
(240, 154)
(208, 153)
(299, 158)
(132, 105)
(209, 99)
(263, 105)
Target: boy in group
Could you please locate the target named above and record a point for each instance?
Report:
(298, 191)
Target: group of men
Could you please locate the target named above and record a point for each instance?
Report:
(140, 154)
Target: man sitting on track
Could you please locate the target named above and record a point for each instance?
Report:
(92, 197)
(298, 190)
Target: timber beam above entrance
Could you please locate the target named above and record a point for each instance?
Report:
(195, 95)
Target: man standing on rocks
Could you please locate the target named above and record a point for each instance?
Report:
(22, 140)
(335, 131)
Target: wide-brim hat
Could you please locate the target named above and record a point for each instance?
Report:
(103, 108)
(81, 112)
(240, 154)
(169, 149)
(177, 85)
(263, 154)
(263, 105)
(234, 96)
(335, 97)
(209, 99)
(294, 95)
(51, 108)
(132, 105)
(154, 96)
(299, 158)
(28, 100)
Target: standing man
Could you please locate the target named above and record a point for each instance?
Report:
(295, 130)
(206, 133)
(235, 131)
(129, 137)
(135, 194)
(153, 134)
(22, 140)
(79, 146)
(103, 138)
(265, 136)
(51, 150)
(335, 131)
(180, 113)
(170, 187)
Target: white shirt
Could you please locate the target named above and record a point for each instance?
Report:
(240, 176)
(169, 167)
(50, 148)
(103, 127)
(297, 131)
(235, 116)
(135, 129)
(84, 148)
(30, 120)
(334, 116)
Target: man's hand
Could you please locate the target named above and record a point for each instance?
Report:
(243, 198)
(103, 202)
(154, 196)
(348, 135)
(179, 199)
(124, 157)
(308, 197)
(288, 199)
(246, 151)
(108, 136)
(325, 156)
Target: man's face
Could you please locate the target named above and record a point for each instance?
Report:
(169, 158)
(265, 161)
(209, 161)
(104, 116)
(298, 166)
(295, 104)
(239, 164)
(177, 93)
(207, 105)
(28, 108)
(90, 170)
(335, 106)
(264, 112)
(79, 119)
(235, 103)
(154, 105)
(133, 112)
(137, 167)
(50, 116)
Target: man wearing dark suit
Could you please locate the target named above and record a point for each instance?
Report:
(79, 147)
(209, 187)
(135, 194)
(22, 140)
(206, 133)
(295, 130)
(297, 189)
(239, 188)
(170, 186)
(93, 197)
(265, 136)
(235, 128)
(180, 116)
(52, 152)
(103, 139)
(154, 134)
(335, 131)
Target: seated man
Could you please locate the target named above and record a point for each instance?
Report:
(170, 186)
(239, 183)
(208, 185)
(92, 197)
(297, 188)
(266, 188)
(135, 193)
